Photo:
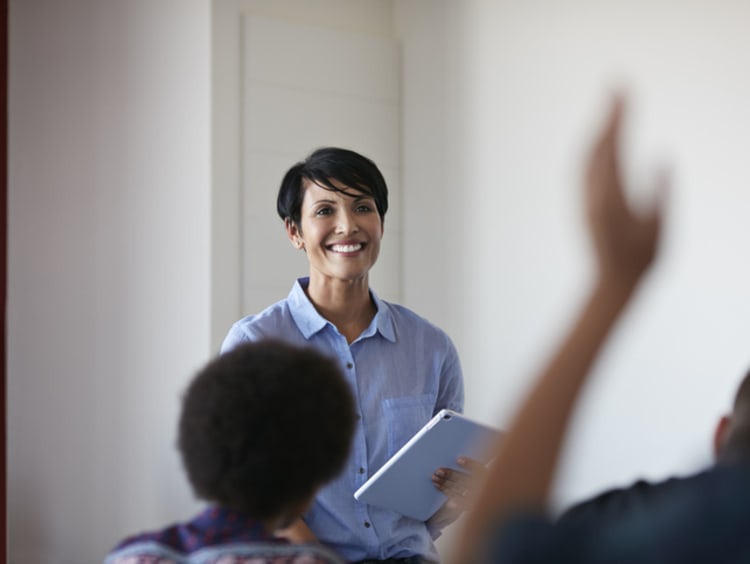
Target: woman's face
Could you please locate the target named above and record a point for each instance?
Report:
(340, 233)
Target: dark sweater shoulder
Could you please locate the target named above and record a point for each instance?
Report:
(626, 501)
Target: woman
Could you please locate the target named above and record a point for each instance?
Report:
(402, 369)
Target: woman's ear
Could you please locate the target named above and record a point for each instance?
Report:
(721, 434)
(294, 233)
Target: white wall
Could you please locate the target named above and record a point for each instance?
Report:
(123, 269)
(303, 87)
(108, 305)
(527, 82)
(433, 240)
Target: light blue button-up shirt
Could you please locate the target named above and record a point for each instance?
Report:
(403, 370)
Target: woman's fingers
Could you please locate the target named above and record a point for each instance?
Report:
(459, 486)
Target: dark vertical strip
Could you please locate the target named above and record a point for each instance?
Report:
(3, 268)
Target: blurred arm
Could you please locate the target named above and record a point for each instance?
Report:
(625, 244)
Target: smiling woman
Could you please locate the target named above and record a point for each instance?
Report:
(340, 229)
(333, 205)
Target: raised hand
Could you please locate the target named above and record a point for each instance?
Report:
(625, 241)
(525, 464)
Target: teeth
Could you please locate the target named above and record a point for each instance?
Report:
(346, 248)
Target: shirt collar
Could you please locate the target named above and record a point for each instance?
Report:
(309, 321)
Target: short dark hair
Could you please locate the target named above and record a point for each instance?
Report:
(264, 425)
(323, 165)
(737, 446)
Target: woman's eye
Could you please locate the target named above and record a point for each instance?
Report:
(323, 211)
(364, 208)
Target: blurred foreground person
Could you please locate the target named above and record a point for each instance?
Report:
(709, 522)
(262, 428)
(731, 447)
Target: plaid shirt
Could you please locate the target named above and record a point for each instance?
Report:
(216, 536)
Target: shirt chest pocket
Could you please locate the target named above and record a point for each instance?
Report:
(404, 417)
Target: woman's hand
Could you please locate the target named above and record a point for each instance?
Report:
(459, 487)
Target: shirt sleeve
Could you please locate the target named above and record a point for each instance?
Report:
(451, 392)
(235, 336)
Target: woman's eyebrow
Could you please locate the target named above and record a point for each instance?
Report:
(324, 201)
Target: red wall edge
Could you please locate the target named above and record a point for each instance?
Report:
(3, 268)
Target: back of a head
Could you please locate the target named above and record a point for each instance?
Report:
(324, 165)
(736, 448)
(264, 425)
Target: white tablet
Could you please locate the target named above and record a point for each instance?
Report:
(404, 483)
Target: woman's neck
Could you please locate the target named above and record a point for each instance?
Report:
(346, 304)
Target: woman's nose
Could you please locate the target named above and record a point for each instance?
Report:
(346, 222)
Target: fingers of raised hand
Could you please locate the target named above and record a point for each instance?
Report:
(625, 239)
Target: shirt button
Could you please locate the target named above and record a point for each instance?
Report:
(359, 417)
(361, 470)
(349, 365)
(367, 524)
